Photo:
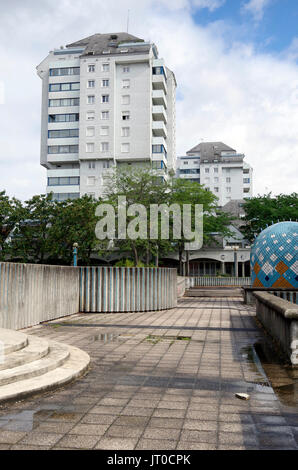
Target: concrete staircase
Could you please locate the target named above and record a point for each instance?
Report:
(29, 364)
(213, 292)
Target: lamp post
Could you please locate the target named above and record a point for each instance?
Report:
(75, 254)
(235, 261)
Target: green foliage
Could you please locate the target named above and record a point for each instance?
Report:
(44, 230)
(264, 210)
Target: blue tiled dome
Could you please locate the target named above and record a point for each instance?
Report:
(274, 256)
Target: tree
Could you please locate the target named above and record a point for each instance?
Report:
(30, 241)
(215, 221)
(262, 211)
(74, 221)
(9, 216)
(142, 186)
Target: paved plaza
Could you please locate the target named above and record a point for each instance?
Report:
(161, 380)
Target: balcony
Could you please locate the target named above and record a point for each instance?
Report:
(159, 114)
(159, 129)
(159, 98)
(63, 157)
(159, 83)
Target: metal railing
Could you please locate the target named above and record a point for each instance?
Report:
(204, 281)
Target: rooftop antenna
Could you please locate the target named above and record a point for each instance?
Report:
(127, 21)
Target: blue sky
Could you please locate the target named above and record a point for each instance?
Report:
(236, 64)
(273, 33)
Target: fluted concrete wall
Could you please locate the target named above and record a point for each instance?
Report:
(31, 294)
(105, 289)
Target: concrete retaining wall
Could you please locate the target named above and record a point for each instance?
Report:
(181, 286)
(31, 294)
(105, 289)
(280, 319)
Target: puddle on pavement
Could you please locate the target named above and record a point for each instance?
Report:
(266, 368)
(105, 337)
(167, 338)
(27, 420)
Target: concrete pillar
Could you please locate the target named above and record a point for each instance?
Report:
(223, 267)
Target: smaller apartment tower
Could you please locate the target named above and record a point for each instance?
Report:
(220, 169)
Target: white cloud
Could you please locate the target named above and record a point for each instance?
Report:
(210, 4)
(256, 8)
(234, 94)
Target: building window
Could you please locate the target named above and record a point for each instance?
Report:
(105, 98)
(157, 165)
(105, 83)
(64, 117)
(125, 131)
(216, 190)
(105, 67)
(91, 67)
(90, 180)
(246, 171)
(104, 146)
(64, 86)
(63, 133)
(159, 149)
(65, 71)
(65, 196)
(125, 69)
(105, 115)
(125, 116)
(216, 179)
(228, 180)
(125, 148)
(158, 71)
(126, 83)
(89, 147)
(246, 190)
(91, 165)
(206, 170)
(215, 170)
(90, 131)
(64, 181)
(125, 99)
(185, 163)
(90, 115)
(104, 130)
(52, 149)
(91, 84)
(228, 189)
(246, 180)
(65, 102)
(90, 99)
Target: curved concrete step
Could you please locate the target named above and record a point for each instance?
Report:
(35, 349)
(58, 354)
(73, 367)
(11, 341)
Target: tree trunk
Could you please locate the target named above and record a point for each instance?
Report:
(148, 255)
(135, 254)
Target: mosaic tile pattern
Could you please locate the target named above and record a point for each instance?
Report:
(274, 256)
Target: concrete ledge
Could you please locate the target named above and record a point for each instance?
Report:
(248, 293)
(280, 318)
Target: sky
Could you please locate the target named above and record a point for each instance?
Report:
(235, 61)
